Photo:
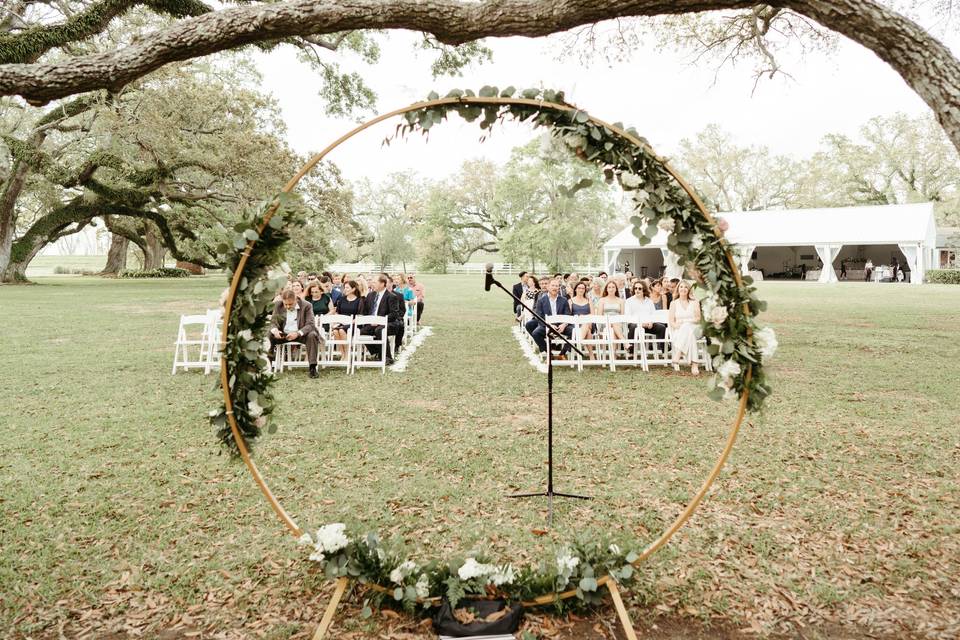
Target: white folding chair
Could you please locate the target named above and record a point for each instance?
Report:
(624, 350)
(410, 322)
(362, 341)
(330, 354)
(189, 342)
(290, 354)
(703, 354)
(597, 347)
(557, 345)
(656, 351)
(211, 350)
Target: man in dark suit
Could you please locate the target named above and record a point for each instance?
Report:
(293, 322)
(381, 302)
(550, 305)
(518, 293)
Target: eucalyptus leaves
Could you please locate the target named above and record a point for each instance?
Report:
(661, 204)
(578, 567)
(246, 366)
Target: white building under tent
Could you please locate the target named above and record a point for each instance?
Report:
(783, 244)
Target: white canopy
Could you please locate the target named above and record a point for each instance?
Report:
(911, 227)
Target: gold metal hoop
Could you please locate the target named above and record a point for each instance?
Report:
(551, 106)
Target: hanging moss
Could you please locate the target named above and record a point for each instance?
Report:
(26, 46)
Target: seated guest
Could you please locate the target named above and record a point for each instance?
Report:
(318, 299)
(297, 288)
(531, 290)
(639, 304)
(685, 327)
(349, 304)
(551, 304)
(596, 292)
(518, 292)
(382, 302)
(418, 291)
(336, 288)
(293, 322)
(611, 304)
(580, 306)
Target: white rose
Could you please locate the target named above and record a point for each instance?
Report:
(254, 409)
(630, 180)
(696, 244)
(729, 370)
(641, 196)
(398, 575)
(766, 340)
(331, 538)
(260, 422)
(666, 224)
(246, 335)
(718, 315)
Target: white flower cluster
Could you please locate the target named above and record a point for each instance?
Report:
(641, 196)
(566, 562)
(666, 224)
(406, 568)
(423, 586)
(726, 373)
(766, 341)
(328, 539)
(713, 311)
(495, 575)
(630, 180)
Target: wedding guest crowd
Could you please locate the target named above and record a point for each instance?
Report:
(620, 294)
(308, 295)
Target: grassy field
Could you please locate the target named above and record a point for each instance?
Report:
(839, 508)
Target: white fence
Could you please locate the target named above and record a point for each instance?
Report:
(470, 267)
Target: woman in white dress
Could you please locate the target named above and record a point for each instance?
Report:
(685, 327)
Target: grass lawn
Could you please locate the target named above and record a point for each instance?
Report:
(118, 514)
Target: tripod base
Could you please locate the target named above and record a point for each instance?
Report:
(549, 495)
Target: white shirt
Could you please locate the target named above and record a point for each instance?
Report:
(553, 304)
(637, 307)
(292, 324)
(376, 304)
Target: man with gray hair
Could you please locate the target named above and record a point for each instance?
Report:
(293, 322)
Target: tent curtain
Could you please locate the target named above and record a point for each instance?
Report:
(914, 260)
(673, 268)
(743, 253)
(827, 253)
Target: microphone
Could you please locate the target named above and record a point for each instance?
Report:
(489, 276)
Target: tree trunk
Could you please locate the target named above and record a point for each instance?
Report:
(26, 250)
(153, 250)
(117, 256)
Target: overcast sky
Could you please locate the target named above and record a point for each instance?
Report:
(661, 93)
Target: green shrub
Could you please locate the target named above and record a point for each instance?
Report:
(68, 271)
(944, 276)
(163, 272)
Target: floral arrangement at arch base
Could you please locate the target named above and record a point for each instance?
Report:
(737, 342)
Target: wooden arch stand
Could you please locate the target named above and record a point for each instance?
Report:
(608, 581)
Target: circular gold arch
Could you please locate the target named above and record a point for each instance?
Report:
(496, 101)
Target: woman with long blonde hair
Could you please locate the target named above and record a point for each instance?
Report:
(685, 327)
(611, 305)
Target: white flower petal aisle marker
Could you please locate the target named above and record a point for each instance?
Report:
(532, 356)
(400, 364)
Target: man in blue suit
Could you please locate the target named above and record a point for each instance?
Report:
(550, 305)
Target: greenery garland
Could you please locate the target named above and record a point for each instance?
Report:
(730, 306)
(245, 348)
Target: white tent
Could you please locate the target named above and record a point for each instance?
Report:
(784, 242)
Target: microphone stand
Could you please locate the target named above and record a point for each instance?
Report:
(551, 332)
